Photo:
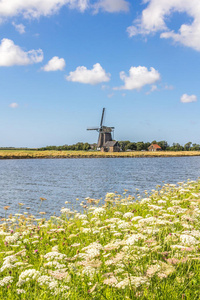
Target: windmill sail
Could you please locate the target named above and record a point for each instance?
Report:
(105, 132)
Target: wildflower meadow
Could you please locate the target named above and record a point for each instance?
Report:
(147, 247)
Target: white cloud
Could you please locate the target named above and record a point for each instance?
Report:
(138, 77)
(30, 9)
(168, 87)
(93, 76)
(153, 89)
(11, 54)
(153, 19)
(37, 8)
(54, 64)
(13, 105)
(111, 95)
(111, 6)
(19, 27)
(188, 98)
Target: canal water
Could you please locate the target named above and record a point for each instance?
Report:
(60, 180)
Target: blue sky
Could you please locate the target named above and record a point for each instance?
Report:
(62, 61)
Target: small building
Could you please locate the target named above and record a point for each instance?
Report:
(154, 147)
(111, 146)
(93, 146)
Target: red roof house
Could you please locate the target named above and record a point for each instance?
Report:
(154, 147)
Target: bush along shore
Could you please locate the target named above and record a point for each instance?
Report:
(144, 248)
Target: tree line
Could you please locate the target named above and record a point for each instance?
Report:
(124, 145)
(127, 146)
(139, 146)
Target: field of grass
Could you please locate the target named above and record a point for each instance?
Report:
(19, 154)
(144, 248)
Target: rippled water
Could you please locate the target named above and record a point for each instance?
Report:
(61, 180)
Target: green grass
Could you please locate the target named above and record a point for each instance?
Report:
(144, 248)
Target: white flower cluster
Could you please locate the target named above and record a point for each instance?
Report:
(99, 211)
(20, 291)
(161, 202)
(27, 275)
(88, 271)
(145, 200)
(7, 263)
(134, 219)
(188, 240)
(150, 220)
(112, 220)
(55, 248)
(177, 209)
(123, 225)
(10, 239)
(136, 281)
(128, 215)
(47, 280)
(2, 233)
(54, 256)
(82, 217)
(91, 251)
(135, 238)
(66, 211)
(155, 207)
(195, 233)
(6, 280)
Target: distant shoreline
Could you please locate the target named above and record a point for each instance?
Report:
(47, 154)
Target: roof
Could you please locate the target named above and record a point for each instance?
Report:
(155, 146)
(111, 143)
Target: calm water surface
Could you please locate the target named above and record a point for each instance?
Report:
(61, 180)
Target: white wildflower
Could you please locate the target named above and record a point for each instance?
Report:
(82, 217)
(99, 211)
(12, 238)
(155, 207)
(135, 238)
(27, 275)
(188, 240)
(21, 291)
(6, 280)
(55, 256)
(128, 215)
(88, 271)
(47, 280)
(161, 202)
(145, 200)
(136, 218)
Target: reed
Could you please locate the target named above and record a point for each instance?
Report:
(23, 154)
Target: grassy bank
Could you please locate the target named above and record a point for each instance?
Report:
(23, 154)
(127, 249)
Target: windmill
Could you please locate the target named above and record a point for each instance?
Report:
(105, 132)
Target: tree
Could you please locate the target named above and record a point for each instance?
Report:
(140, 146)
(187, 146)
(123, 145)
(131, 146)
(146, 146)
(86, 146)
(163, 144)
(195, 147)
(176, 147)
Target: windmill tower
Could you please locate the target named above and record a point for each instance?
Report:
(105, 132)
